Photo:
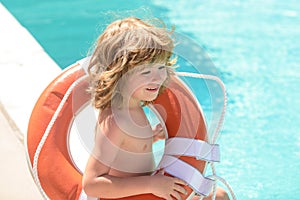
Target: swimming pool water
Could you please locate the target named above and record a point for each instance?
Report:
(255, 46)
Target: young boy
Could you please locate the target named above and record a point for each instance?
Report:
(129, 68)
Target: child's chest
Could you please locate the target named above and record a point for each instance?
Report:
(138, 134)
(139, 144)
(135, 155)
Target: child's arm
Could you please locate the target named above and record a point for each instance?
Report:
(107, 186)
(97, 182)
(158, 133)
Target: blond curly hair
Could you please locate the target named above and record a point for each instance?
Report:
(123, 45)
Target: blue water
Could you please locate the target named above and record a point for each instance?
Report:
(255, 46)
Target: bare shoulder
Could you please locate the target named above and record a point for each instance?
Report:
(108, 128)
(108, 139)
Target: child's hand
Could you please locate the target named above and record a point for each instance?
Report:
(158, 132)
(167, 187)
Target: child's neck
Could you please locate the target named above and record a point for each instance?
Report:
(133, 104)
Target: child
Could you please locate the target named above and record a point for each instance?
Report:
(129, 68)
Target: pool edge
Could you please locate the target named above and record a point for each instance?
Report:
(25, 70)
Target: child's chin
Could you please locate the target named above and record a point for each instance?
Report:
(151, 98)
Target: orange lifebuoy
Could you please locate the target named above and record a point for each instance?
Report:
(57, 176)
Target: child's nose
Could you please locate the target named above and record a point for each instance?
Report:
(157, 75)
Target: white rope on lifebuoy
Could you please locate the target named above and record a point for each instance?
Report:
(226, 184)
(218, 80)
(216, 132)
(46, 134)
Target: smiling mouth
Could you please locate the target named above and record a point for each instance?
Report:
(152, 89)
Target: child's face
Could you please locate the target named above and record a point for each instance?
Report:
(144, 82)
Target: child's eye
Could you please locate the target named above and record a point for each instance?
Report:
(145, 72)
(161, 67)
